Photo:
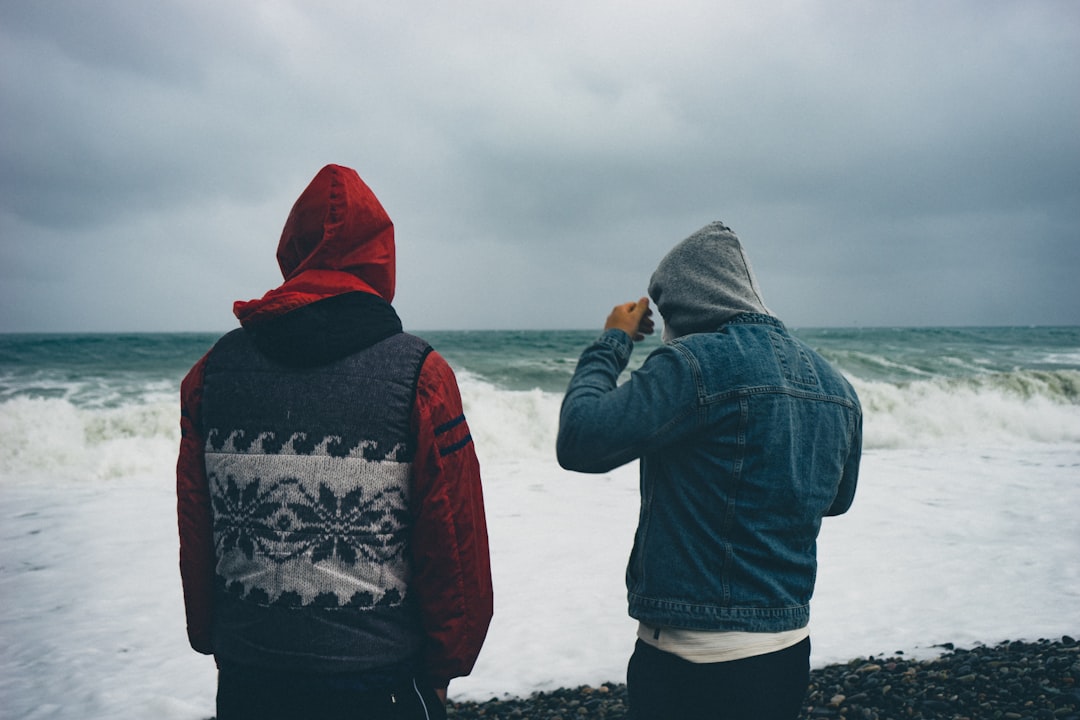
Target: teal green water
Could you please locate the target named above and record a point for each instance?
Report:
(109, 369)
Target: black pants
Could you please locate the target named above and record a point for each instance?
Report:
(255, 694)
(663, 686)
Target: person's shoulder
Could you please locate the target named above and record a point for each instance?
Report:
(238, 337)
(683, 351)
(716, 352)
(409, 338)
(696, 343)
(434, 367)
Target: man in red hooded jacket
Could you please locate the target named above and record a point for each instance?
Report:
(333, 546)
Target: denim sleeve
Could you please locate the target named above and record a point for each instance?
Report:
(603, 425)
(846, 493)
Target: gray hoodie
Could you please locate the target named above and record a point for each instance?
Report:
(703, 282)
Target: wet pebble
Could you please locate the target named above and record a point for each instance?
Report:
(1010, 681)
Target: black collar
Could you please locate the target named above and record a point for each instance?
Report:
(326, 330)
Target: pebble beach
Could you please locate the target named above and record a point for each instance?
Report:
(1009, 681)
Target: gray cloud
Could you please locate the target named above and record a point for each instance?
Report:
(909, 163)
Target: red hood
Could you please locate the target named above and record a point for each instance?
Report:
(337, 239)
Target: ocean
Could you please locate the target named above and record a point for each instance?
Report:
(66, 400)
(964, 528)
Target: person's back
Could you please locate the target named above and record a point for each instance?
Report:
(747, 438)
(308, 470)
(775, 425)
(333, 542)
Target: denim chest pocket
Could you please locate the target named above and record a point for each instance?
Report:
(794, 361)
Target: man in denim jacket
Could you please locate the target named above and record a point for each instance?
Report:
(747, 437)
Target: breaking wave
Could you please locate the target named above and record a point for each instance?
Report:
(51, 436)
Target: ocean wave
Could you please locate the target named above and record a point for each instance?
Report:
(1011, 407)
(510, 425)
(54, 437)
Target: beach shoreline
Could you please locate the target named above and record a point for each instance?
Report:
(1012, 680)
(964, 527)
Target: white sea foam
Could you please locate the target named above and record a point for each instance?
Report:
(50, 437)
(1071, 359)
(942, 545)
(44, 439)
(1026, 406)
(963, 530)
(510, 424)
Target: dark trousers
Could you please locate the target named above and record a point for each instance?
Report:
(256, 694)
(663, 686)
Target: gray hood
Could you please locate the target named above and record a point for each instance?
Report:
(703, 282)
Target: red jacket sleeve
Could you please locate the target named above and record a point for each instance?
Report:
(194, 516)
(451, 565)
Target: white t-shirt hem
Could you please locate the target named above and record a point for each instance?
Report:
(705, 646)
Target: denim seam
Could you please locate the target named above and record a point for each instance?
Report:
(748, 611)
(777, 390)
(620, 343)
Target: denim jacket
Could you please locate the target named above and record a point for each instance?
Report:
(747, 438)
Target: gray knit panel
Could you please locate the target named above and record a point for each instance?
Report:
(298, 530)
(309, 473)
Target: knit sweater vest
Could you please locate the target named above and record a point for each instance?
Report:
(309, 473)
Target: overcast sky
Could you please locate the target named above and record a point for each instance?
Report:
(885, 163)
